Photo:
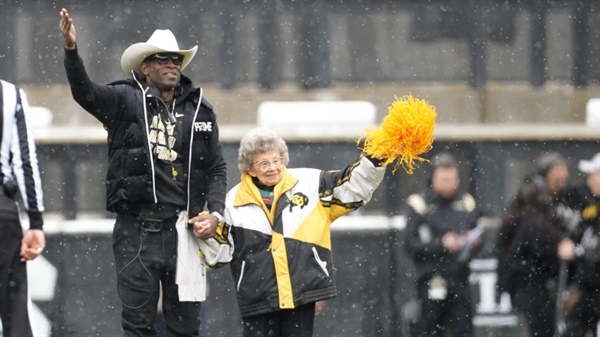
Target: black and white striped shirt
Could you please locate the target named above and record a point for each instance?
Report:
(18, 158)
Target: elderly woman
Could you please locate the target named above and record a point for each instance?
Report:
(281, 221)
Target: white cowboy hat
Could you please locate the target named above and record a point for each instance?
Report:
(162, 40)
(590, 166)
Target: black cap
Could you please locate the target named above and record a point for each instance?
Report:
(546, 161)
(443, 159)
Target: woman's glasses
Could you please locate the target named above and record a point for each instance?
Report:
(264, 165)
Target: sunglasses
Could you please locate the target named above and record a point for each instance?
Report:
(163, 58)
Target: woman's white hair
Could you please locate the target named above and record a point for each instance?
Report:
(260, 140)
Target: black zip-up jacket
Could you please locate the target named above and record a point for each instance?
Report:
(587, 262)
(123, 108)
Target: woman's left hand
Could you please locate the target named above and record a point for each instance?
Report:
(204, 225)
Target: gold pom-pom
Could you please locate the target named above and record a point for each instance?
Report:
(405, 133)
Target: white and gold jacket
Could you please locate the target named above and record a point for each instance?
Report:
(282, 257)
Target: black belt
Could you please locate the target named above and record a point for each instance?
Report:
(152, 225)
(151, 211)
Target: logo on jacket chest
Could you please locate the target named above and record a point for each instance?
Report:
(298, 199)
(203, 126)
(162, 139)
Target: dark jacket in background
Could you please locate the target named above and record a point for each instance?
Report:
(585, 314)
(587, 263)
(429, 218)
(531, 257)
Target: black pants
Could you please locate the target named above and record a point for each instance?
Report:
(538, 306)
(144, 261)
(585, 315)
(298, 322)
(13, 281)
(453, 314)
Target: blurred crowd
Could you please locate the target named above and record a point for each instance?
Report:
(547, 250)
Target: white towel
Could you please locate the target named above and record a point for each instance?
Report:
(218, 251)
(191, 271)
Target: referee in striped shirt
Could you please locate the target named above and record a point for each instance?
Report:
(20, 180)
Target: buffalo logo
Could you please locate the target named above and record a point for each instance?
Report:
(298, 199)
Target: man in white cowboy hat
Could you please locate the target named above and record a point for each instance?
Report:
(584, 251)
(165, 163)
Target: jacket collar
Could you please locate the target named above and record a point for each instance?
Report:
(186, 86)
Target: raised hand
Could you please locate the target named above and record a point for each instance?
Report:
(67, 29)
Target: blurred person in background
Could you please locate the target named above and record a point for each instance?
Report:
(19, 177)
(554, 172)
(528, 262)
(584, 251)
(281, 217)
(552, 176)
(442, 237)
(165, 165)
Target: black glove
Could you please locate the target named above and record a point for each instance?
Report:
(10, 188)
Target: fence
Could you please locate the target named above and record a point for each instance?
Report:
(374, 277)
